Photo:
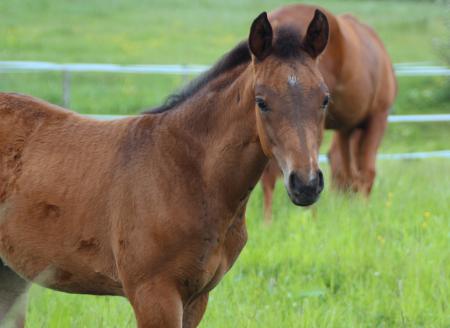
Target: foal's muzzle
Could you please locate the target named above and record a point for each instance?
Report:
(305, 193)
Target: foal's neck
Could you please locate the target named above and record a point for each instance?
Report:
(221, 118)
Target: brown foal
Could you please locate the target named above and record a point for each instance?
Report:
(358, 72)
(152, 207)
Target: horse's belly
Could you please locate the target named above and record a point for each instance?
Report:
(63, 276)
(347, 111)
(94, 283)
(43, 250)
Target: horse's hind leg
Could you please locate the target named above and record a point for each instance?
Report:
(13, 298)
(369, 143)
(339, 159)
(355, 141)
(343, 158)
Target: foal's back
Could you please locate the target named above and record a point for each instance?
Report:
(36, 136)
(20, 116)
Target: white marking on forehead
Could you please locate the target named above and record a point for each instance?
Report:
(292, 80)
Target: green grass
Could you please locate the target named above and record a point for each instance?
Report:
(383, 263)
(178, 31)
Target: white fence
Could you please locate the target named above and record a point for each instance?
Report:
(391, 118)
(398, 156)
(402, 69)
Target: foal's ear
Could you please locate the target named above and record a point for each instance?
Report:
(316, 38)
(260, 39)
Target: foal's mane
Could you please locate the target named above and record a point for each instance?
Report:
(237, 56)
(287, 44)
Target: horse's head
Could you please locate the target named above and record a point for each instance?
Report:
(290, 101)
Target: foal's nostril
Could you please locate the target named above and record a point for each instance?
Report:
(320, 177)
(294, 182)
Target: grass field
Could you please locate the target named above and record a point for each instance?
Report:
(352, 263)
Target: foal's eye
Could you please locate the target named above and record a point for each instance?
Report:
(262, 105)
(325, 102)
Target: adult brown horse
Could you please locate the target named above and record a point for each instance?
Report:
(362, 84)
(152, 207)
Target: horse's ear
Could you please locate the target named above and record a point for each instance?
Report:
(260, 39)
(316, 38)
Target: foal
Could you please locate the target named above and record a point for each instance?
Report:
(357, 69)
(152, 207)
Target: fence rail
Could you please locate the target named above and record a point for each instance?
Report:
(404, 156)
(391, 118)
(401, 69)
(21, 66)
(419, 118)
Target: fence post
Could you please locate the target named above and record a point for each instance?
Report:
(66, 88)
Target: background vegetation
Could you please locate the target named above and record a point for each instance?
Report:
(383, 263)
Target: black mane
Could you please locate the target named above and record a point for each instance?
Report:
(239, 55)
(287, 44)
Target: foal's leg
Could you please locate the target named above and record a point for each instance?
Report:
(13, 298)
(194, 311)
(268, 180)
(156, 305)
(370, 141)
